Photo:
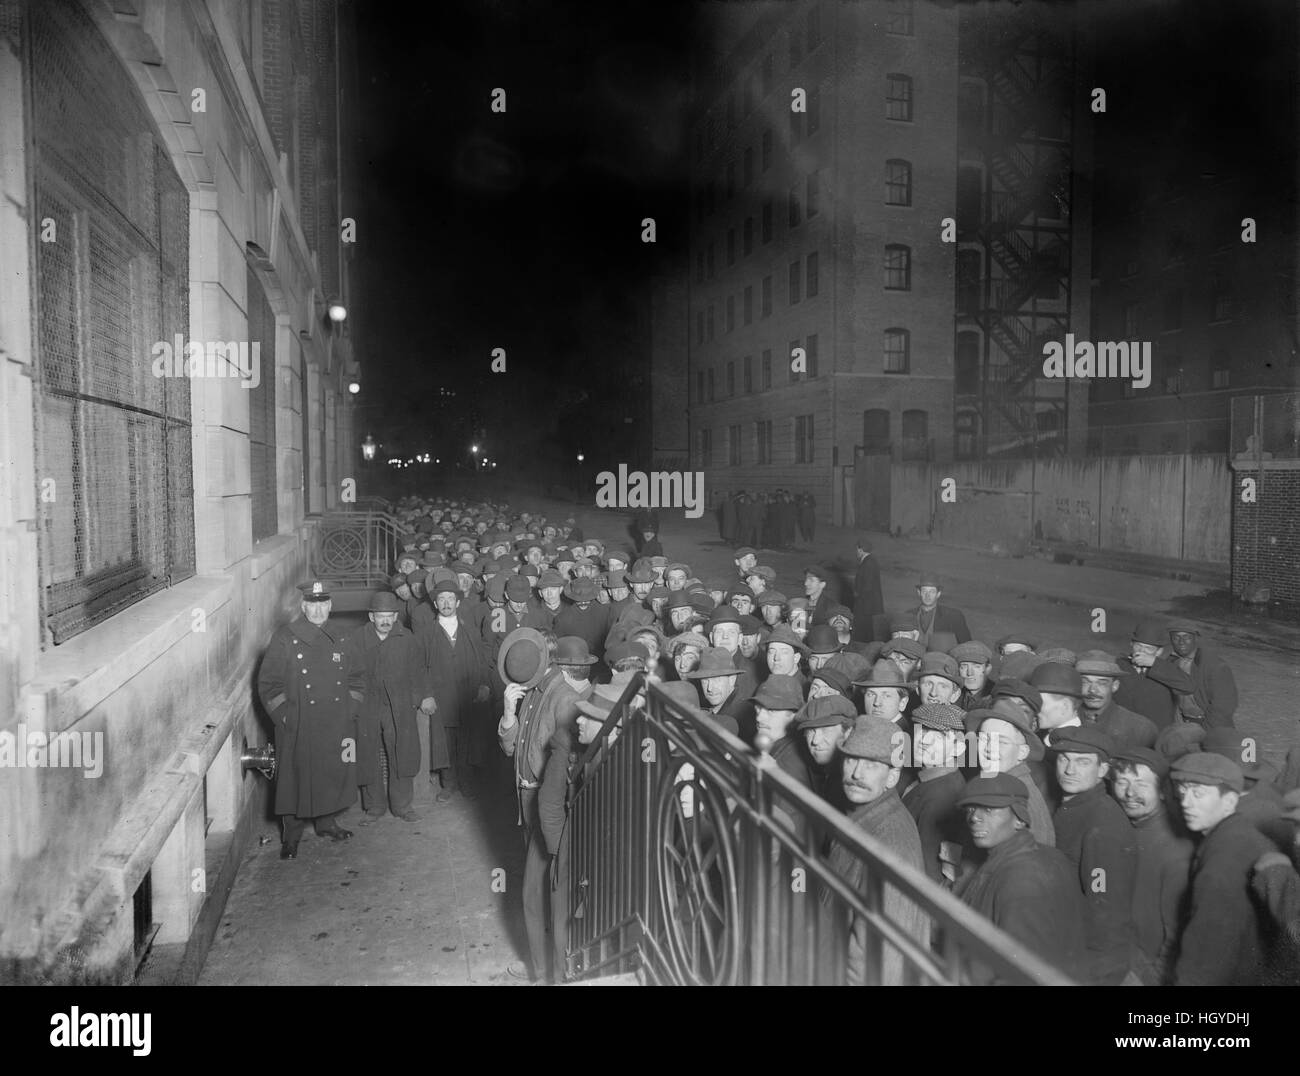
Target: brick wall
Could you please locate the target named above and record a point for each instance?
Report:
(1266, 532)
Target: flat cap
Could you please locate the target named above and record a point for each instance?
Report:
(1184, 625)
(779, 692)
(1096, 663)
(819, 571)
(909, 648)
(971, 651)
(825, 711)
(1084, 740)
(877, 739)
(687, 638)
(834, 678)
(743, 552)
(771, 597)
(937, 664)
(1178, 739)
(1146, 756)
(1000, 790)
(550, 578)
(929, 578)
(1019, 638)
(941, 716)
(750, 624)
(1207, 768)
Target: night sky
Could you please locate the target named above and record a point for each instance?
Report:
(480, 230)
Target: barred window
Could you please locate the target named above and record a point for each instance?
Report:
(749, 303)
(763, 441)
(112, 301)
(749, 374)
(767, 368)
(898, 267)
(733, 446)
(803, 439)
(810, 349)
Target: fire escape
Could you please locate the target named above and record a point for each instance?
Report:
(1013, 209)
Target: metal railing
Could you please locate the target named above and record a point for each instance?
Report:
(356, 548)
(696, 860)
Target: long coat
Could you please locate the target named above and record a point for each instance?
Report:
(932, 802)
(1153, 693)
(1164, 863)
(1126, 728)
(1099, 842)
(888, 821)
(868, 601)
(397, 681)
(313, 693)
(457, 673)
(1216, 688)
(1030, 891)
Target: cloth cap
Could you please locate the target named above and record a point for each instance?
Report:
(779, 692)
(1207, 768)
(743, 552)
(622, 651)
(852, 664)
(875, 738)
(750, 624)
(825, 711)
(1176, 740)
(639, 575)
(938, 664)
(771, 597)
(398, 580)
(1019, 665)
(1005, 710)
(1084, 740)
(496, 587)
(1146, 756)
(1059, 654)
(1018, 637)
(550, 578)
(385, 601)
(1096, 663)
(581, 590)
(902, 623)
(909, 648)
(1000, 790)
(1184, 625)
(796, 603)
(677, 566)
(834, 678)
(929, 579)
(942, 716)
(687, 638)
(818, 571)
(971, 651)
(840, 611)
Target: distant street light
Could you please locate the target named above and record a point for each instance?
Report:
(581, 457)
(474, 449)
(368, 447)
(337, 311)
(354, 387)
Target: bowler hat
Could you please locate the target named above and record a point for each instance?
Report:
(517, 588)
(1151, 632)
(1207, 768)
(877, 739)
(723, 614)
(623, 651)
(682, 693)
(1018, 689)
(822, 639)
(397, 580)
(445, 586)
(522, 657)
(385, 601)
(1056, 678)
(678, 600)
(715, 661)
(929, 579)
(779, 692)
(572, 650)
(1084, 740)
(825, 711)
(939, 664)
(639, 575)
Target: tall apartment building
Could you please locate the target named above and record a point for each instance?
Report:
(171, 175)
(1197, 243)
(820, 230)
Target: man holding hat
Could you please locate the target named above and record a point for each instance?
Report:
(868, 601)
(930, 617)
(1099, 676)
(1215, 687)
(313, 692)
(871, 758)
(1164, 859)
(1224, 940)
(825, 722)
(1024, 888)
(397, 685)
(1152, 685)
(1098, 841)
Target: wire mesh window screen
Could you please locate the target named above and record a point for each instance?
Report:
(113, 440)
(261, 413)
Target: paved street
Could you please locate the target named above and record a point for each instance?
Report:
(415, 903)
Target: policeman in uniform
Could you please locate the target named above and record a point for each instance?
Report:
(313, 694)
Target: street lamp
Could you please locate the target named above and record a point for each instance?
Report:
(368, 448)
(337, 311)
(581, 457)
(354, 387)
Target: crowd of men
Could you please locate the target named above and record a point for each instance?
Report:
(775, 520)
(1104, 810)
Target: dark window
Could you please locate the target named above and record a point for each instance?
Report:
(1220, 366)
(916, 436)
(814, 22)
(898, 267)
(813, 196)
(749, 374)
(898, 97)
(811, 272)
(793, 206)
(803, 439)
(898, 17)
(794, 282)
(699, 386)
(810, 346)
(767, 221)
(875, 431)
(966, 373)
(968, 281)
(708, 380)
(767, 369)
(767, 148)
(767, 296)
(763, 441)
(731, 379)
(1222, 303)
(706, 448)
(897, 351)
(261, 417)
(898, 182)
(749, 303)
(733, 446)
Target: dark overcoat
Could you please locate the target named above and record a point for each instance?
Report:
(868, 601)
(313, 693)
(457, 672)
(397, 681)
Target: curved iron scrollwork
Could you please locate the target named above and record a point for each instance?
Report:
(343, 550)
(696, 880)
